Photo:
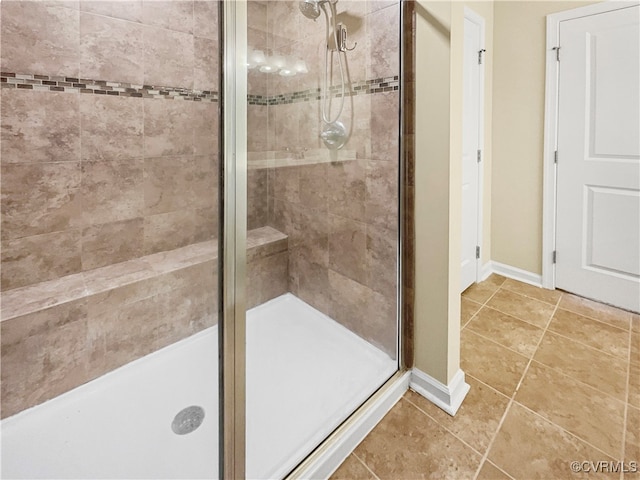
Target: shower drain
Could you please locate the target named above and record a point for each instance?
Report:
(187, 420)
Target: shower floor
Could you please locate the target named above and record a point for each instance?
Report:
(305, 374)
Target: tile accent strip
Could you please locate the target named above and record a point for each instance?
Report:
(101, 87)
(121, 89)
(364, 87)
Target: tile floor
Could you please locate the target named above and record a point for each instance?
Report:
(554, 378)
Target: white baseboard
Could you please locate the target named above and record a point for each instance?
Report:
(447, 397)
(485, 271)
(516, 273)
(328, 461)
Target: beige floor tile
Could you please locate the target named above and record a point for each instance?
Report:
(480, 292)
(407, 444)
(542, 294)
(491, 472)
(352, 469)
(584, 411)
(634, 356)
(635, 323)
(506, 330)
(468, 309)
(599, 311)
(632, 440)
(529, 447)
(596, 334)
(495, 279)
(491, 363)
(477, 419)
(634, 385)
(593, 367)
(533, 311)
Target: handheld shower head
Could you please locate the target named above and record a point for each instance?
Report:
(310, 8)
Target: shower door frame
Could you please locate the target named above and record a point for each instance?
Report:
(232, 241)
(232, 269)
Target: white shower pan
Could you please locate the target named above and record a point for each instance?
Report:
(305, 374)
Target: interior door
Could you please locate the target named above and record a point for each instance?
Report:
(470, 148)
(598, 196)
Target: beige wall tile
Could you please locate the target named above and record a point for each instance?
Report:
(257, 198)
(168, 127)
(385, 118)
(309, 280)
(267, 278)
(168, 57)
(40, 198)
(172, 15)
(39, 38)
(205, 127)
(39, 126)
(383, 27)
(112, 190)
(382, 254)
(348, 248)
(123, 9)
(34, 259)
(347, 189)
(314, 187)
(381, 199)
(112, 127)
(168, 183)
(167, 231)
(582, 410)
(205, 75)
(205, 18)
(108, 243)
(110, 49)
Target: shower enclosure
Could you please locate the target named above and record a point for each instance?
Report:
(200, 232)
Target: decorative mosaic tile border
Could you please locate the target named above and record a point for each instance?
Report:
(121, 89)
(101, 87)
(364, 87)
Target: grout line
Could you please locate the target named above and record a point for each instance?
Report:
(365, 465)
(500, 345)
(626, 406)
(515, 316)
(534, 298)
(493, 439)
(591, 347)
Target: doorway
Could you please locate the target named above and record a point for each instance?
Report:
(597, 154)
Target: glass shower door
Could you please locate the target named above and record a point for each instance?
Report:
(109, 281)
(322, 220)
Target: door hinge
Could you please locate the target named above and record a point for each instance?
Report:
(479, 155)
(480, 52)
(555, 256)
(478, 251)
(557, 49)
(555, 156)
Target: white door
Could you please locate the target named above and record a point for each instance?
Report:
(470, 149)
(598, 196)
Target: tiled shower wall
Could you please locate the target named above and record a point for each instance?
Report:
(109, 185)
(341, 216)
(97, 173)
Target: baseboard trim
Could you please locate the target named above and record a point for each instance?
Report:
(447, 397)
(485, 271)
(516, 274)
(350, 434)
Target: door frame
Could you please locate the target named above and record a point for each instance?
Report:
(479, 20)
(549, 188)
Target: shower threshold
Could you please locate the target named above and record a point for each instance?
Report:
(306, 373)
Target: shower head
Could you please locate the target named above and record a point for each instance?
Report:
(310, 8)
